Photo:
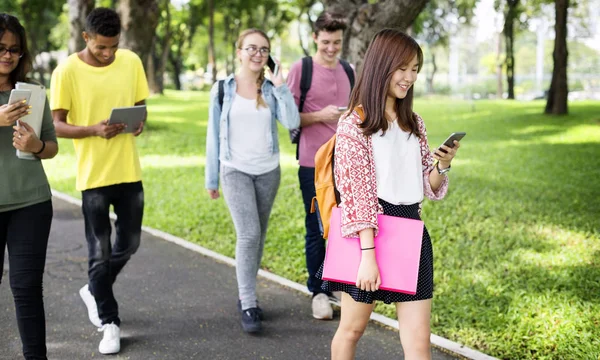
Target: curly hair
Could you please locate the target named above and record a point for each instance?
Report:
(103, 21)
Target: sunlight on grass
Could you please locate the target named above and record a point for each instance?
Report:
(160, 110)
(173, 119)
(166, 161)
(534, 129)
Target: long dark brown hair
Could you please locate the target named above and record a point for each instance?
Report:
(389, 51)
(24, 66)
(261, 78)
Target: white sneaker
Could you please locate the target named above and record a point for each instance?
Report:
(321, 307)
(111, 341)
(90, 303)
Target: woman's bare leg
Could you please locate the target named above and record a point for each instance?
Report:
(354, 319)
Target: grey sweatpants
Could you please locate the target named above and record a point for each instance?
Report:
(250, 199)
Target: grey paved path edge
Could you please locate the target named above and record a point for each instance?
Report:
(181, 305)
(437, 341)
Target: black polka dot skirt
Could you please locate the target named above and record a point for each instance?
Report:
(424, 281)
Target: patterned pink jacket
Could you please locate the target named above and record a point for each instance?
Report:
(356, 180)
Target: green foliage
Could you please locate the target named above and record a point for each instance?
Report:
(10, 6)
(106, 3)
(439, 20)
(38, 17)
(516, 240)
(59, 35)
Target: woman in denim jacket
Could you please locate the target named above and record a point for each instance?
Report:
(242, 145)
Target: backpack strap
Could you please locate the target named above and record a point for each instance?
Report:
(221, 92)
(338, 199)
(349, 71)
(305, 80)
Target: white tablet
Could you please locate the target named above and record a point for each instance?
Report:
(132, 116)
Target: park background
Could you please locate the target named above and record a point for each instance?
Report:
(517, 239)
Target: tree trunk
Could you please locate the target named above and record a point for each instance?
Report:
(558, 94)
(304, 49)
(139, 19)
(499, 66)
(161, 66)
(430, 89)
(175, 58)
(177, 68)
(151, 69)
(509, 36)
(78, 11)
(211, 40)
(162, 56)
(366, 19)
(226, 38)
(233, 52)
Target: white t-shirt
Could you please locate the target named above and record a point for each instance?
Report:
(249, 131)
(398, 166)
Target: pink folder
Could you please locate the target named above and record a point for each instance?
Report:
(397, 249)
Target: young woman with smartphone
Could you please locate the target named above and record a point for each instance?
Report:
(242, 147)
(25, 205)
(383, 165)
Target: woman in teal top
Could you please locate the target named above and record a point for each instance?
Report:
(25, 205)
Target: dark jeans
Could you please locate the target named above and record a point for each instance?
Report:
(106, 260)
(314, 243)
(25, 232)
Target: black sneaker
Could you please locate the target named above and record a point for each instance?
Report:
(258, 308)
(251, 320)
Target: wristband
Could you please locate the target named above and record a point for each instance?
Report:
(42, 149)
(371, 248)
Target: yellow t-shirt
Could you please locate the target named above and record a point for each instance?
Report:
(89, 93)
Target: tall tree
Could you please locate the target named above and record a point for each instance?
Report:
(304, 7)
(558, 94)
(211, 39)
(139, 19)
(499, 66)
(159, 51)
(511, 15)
(78, 11)
(186, 21)
(38, 18)
(366, 18)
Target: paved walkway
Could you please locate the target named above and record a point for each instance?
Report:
(174, 304)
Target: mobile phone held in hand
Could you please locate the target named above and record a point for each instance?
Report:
(342, 108)
(450, 140)
(272, 65)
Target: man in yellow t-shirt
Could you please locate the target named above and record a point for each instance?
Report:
(84, 90)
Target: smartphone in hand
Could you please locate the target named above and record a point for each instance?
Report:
(272, 65)
(342, 108)
(450, 140)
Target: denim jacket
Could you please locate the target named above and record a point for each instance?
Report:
(283, 108)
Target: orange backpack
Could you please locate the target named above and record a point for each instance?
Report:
(327, 195)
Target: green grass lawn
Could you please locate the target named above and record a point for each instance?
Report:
(516, 240)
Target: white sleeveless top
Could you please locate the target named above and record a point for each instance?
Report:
(249, 131)
(398, 166)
